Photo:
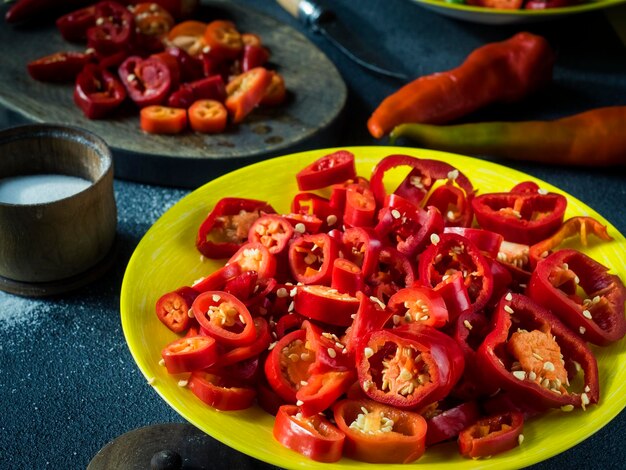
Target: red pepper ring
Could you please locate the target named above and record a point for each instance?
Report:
(325, 304)
(314, 437)
(453, 203)
(520, 217)
(447, 424)
(522, 355)
(311, 258)
(189, 354)
(424, 174)
(241, 353)
(271, 230)
(378, 433)
(226, 227)
(559, 283)
(172, 308)
(361, 245)
(225, 318)
(330, 169)
(347, 277)
(253, 256)
(407, 370)
(492, 435)
(97, 92)
(418, 304)
(323, 389)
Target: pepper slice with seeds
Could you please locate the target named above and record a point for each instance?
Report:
(408, 367)
(224, 317)
(534, 357)
(583, 294)
(492, 435)
(378, 433)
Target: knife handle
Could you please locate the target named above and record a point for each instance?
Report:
(309, 12)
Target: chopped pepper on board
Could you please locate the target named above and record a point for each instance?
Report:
(503, 71)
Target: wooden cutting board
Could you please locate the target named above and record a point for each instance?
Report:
(317, 95)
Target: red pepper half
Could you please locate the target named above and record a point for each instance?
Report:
(379, 433)
(97, 92)
(520, 217)
(314, 437)
(189, 354)
(492, 435)
(582, 293)
(227, 226)
(330, 169)
(531, 354)
(225, 318)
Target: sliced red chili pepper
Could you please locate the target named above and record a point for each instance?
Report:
(346, 277)
(448, 423)
(408, 368)
(406, 226)
(276, 92)
(455, 295)
(321, 390)
(520, 217)
(531, 354)
(394, 272)
(424, 173)
(97, 92)
(273, 231)
(492, 435)
(113, 30)
(314, 437)
(453, 204)
(330, 169)
(304, 223)
(582, 293)
(148, 81)
(58, 67)
(360, 209)
(378, 433)
(226, 227)
(318, 206)
(208, 88)
(208, 116)
(157, 119)
(362, 246)
(486, 241)
(329, 351)
(287, 323)
(188, 36)
(287, 365)
(311, 258)
(254, 256)
(582, 226)
(218, 279)
(245, 92)
(526, 187)
(189, 354)
(223, 39)
(325, 304)
(242, 353)
(172, 308)
(221, 392)
(73, 26)
(190, 67)
(254, 56)
(225, 318)
(453, 253)
(418, 304)
(242, 286)
(151, 19)
(372, 315)
(267, 398)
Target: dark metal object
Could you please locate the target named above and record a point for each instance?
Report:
(322, 20)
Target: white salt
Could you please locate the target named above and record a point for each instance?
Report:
(38, 189)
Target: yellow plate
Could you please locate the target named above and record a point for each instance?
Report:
(499, 17)
(166, 259)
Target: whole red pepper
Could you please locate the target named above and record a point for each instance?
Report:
(498, 72)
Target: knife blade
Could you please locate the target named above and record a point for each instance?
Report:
(314, 15)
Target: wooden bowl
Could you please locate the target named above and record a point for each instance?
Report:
(51, 241)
